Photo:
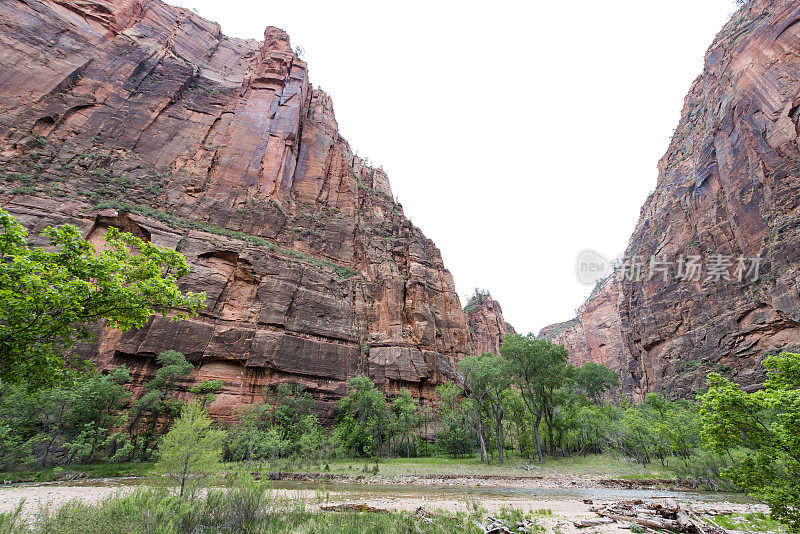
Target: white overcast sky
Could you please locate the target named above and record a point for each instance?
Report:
(515, 134)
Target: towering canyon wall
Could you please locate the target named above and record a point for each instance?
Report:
(728, 186)
(144, 116)
(595, 334)
(487, 326)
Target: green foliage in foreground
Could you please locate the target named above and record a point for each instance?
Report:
(246, 507)
(756, 522)
(362, 418)
(52, 298)
(767, 424)
(92, 417)
(191, 452)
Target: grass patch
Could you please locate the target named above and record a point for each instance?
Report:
(244, 508)
(757, 522)
(597, 465)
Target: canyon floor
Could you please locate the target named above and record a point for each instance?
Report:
(563, 492)
(559, 508)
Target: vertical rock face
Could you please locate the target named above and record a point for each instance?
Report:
(487, 327)
(728, 186)
(136, 114)
(595, 334)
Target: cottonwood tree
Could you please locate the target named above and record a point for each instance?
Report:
(406, 417)
(191, 452)
(485, 381)
(540, 369)
(52, 298)
(595, 380)
(456, 436)
(362, 418)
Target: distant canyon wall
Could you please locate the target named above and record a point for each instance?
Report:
(487, 326)
(728, 186)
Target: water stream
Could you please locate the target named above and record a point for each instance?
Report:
(496, 490)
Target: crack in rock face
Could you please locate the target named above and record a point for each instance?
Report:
(729, 185)
(151, 120)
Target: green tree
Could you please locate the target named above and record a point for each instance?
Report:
(767, 424)
(282, 426)
(456, 436)
(520, 421)
(595, 380)
(635, 436)
(295, 421)
(362, 418)
(206, 391)
(52, 298)
(96, 411)
(486, 380)
(540, 369)
(191, 452)
(78, 417)
(157, 404)
(250, 439)
(406, 412)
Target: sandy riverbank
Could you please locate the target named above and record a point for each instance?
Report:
(406, 498)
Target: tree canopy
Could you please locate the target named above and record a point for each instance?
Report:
(767, 424)
(540, 368)
(50, 298)
(192, 451)
(595, 380)
(362, 418)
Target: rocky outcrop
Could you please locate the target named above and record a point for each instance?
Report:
(595, 334)
(728, 187)
(137, 114)
(487, 326)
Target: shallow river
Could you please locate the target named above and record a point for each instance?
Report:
(511, 492)
(565, 504)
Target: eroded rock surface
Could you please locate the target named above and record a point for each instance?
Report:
(487, 326)
(728, 185)
(137, 114)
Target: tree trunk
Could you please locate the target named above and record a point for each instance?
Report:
(43, 463)
(500, 443)
(536, 436)
(549, 421)
(481, 440)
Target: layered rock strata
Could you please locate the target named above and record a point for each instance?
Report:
(144, 116)
(728, 189)
(487, 326)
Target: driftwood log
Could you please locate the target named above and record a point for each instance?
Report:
(658, 516)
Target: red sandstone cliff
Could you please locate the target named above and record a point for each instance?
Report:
(729, 185)
(141, 115)
(595, 334)
(487, 326)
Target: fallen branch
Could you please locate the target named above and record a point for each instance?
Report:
(652, 523)
(352, 507)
